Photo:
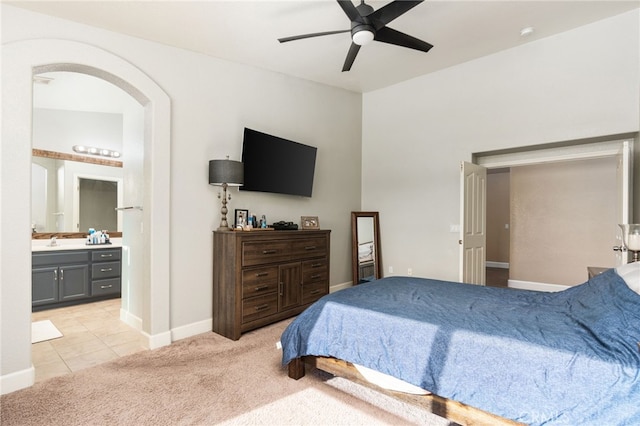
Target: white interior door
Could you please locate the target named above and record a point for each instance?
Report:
(625, 182)
(473, 234)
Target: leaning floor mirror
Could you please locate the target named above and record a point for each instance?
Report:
(366, 249)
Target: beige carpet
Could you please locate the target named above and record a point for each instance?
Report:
(205, 380)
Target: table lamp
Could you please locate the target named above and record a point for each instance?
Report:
(631, 238)
(225, 173)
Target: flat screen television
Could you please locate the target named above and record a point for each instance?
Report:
(277, 165)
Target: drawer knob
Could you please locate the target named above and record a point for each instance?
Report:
(268, 251)
(262, 274)
(316, 291)
(106, 255)
(316, 265)
(262, 287)
(310, 248)
(106, 269)
(262, 307)
(313, 277)
(106, 286)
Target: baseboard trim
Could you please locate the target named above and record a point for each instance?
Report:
(18, 380)
(156, 341)
(491, 264)
(192, 329)
(130, 319)
(342, 286)
(530, 285)
(185, 331)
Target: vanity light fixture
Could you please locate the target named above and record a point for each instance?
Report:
(81, 149)
(225, 173)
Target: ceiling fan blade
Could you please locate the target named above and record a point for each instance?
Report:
(350, 10)
(391, 36)
(391, 11)
(299, 37)
(351, 56)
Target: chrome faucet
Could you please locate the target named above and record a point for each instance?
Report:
(54, 242)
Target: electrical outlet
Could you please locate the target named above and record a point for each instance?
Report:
(410, 271)
(391, 269)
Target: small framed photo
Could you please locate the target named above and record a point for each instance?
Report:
(310, 222)
(241, 218)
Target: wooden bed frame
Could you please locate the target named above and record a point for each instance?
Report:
(452, 410)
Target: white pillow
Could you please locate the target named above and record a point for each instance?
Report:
(630, 273)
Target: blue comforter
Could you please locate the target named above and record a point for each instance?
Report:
(565, 358)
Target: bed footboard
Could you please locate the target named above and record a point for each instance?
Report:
(452, 410)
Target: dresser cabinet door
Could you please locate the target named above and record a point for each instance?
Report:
(290, 291)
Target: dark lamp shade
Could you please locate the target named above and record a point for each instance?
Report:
(226, 171)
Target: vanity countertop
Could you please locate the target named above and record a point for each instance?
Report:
(72, 244)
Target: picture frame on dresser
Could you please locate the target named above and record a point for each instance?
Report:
(241, 216)
(309, 222)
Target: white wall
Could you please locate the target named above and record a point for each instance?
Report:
(211, 102)
(59, 130)
(579, 84)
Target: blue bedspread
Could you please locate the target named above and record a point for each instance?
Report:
(565, 358)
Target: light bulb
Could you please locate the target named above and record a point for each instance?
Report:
(362, 37)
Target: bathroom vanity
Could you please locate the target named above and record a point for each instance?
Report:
(70, 275)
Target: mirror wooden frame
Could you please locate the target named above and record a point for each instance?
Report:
(354, 244)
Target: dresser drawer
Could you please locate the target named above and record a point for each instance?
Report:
(259, 281)
(102, 287)
(105, 270)
(105, 255)
(309, 247)
(314, 291)
(261, 252)
(259, 307)
(315, 271)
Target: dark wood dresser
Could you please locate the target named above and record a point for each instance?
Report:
(260, 277)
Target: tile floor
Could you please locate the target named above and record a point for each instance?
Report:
(92, 334)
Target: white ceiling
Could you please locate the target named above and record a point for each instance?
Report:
(247, 32)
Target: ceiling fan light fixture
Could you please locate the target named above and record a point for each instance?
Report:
(363, 36)
(526, 31)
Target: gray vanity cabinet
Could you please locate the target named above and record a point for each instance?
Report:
(59, 277)
(106, 270)
(68, 277)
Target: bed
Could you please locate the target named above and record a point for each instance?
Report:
(565, 358)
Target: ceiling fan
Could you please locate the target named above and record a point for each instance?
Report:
(368, 25)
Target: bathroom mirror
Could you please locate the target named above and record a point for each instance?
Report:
(70, 194)
(366, 249)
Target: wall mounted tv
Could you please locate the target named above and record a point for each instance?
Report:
(277, 165)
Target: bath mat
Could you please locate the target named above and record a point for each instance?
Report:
(44, 330)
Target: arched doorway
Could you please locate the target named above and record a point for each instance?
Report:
(20, 61)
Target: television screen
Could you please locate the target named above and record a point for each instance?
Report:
(273, 164)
